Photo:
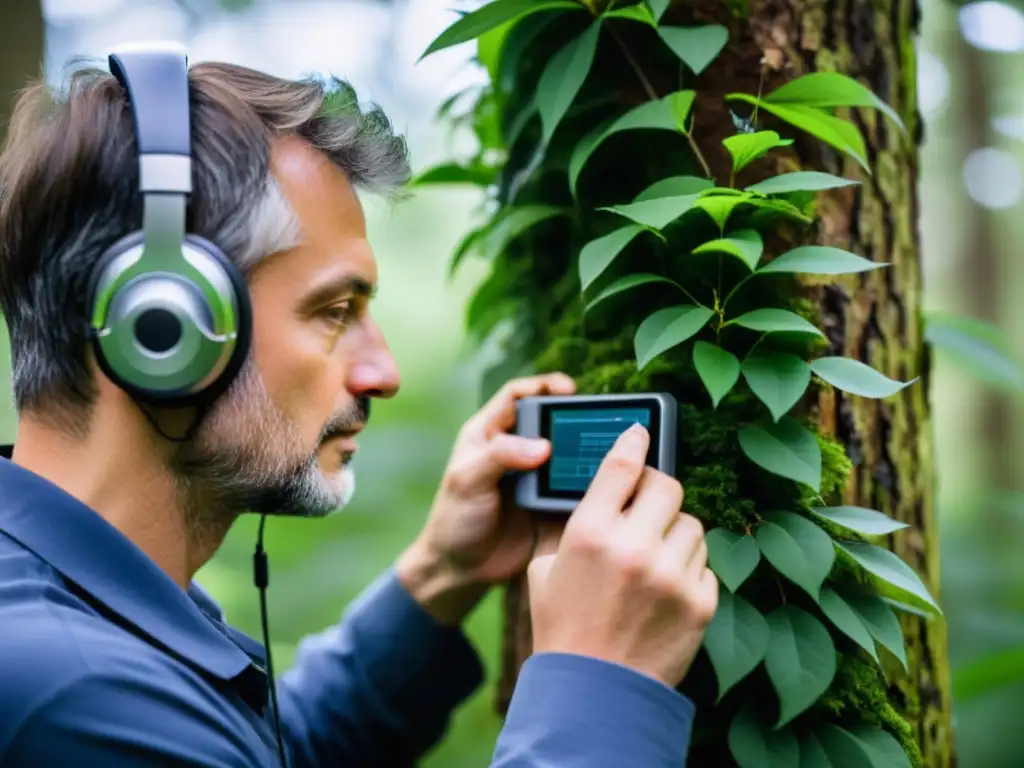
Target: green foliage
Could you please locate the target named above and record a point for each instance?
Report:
(655, 275)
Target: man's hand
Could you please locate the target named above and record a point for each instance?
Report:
(471, 539)
(629, 582)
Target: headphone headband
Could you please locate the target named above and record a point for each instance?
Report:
(156, 78)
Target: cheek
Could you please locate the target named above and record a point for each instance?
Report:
(303, 370)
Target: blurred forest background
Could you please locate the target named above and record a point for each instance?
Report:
(969, 70)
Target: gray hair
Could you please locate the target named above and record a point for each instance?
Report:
(68, 191)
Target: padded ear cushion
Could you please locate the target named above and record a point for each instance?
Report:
(243, 323)
(243, 305)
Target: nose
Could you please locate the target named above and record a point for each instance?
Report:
(375, 370)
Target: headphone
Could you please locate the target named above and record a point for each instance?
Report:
(170, 318)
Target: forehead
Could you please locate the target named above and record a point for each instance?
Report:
(331, 217)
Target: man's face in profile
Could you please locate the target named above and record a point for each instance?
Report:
(281, 440)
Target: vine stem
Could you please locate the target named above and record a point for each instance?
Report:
(688, 295)
(653, 96)
(751, 350)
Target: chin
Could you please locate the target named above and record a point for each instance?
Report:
(336, 491)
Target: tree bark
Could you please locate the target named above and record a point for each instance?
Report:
(875, 318)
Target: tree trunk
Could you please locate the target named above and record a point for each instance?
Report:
(874, 318)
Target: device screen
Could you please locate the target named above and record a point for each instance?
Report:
(580, 439)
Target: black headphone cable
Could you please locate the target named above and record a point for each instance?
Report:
(261, 577)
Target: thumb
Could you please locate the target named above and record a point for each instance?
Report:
(516, 452)
(538, 571)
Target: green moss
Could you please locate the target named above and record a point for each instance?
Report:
(858, 695)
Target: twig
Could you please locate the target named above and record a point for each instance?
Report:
(653, 96)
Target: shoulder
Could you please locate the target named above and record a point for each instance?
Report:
(74, 692)
(73, 684)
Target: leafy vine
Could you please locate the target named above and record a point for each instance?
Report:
(716, 304)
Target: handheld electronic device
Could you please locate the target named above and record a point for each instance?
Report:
(581, 429)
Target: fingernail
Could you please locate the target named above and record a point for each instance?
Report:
(537, 447)
(635, 433)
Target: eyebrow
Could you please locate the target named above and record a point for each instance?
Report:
(341, 285)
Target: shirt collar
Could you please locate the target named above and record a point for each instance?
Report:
(104, 563)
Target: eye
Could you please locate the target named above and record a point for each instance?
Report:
(341, 312)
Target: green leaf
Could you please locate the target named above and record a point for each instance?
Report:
(745, 148)
(696, 46)
(880, 621)
(846, 620)
(624, 284)
(453, 173)
(514, 222)
(491, 15)
(732, 556)
(467, 245)
(674, 186)
(654, 115)
(720, 207)
(680, 103)
(656, 213)
(786, 449)
(639, 12)
(797, 548)
(735, 640)
(902, 607)
(839, 133)
(778, 206)
(830, 746)
(821, 260)
(775, 320)
(800, 660)
(779, 380)
(755, 744)
(666, 328)
(744, 244)
(597, 255)
(855, 377)
(867, 521)
(882, 748)
(991, 672)
(888, 566)
(563, 77)
(979, 347)
(799, 181)
(718, 369)
(658, 7)
(826, 90)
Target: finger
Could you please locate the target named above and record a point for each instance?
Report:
(549, 535)
(513, 452)
(686, 543)
(616, 478)
(499, 413)
(655, 509)
(500, 454)
(537, 571)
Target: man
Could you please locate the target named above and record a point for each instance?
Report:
(111, 655)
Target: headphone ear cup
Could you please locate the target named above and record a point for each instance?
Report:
(178, 293)
(243, 317)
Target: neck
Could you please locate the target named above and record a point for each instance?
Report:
(127, 482)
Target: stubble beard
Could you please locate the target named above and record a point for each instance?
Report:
(248, 456)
